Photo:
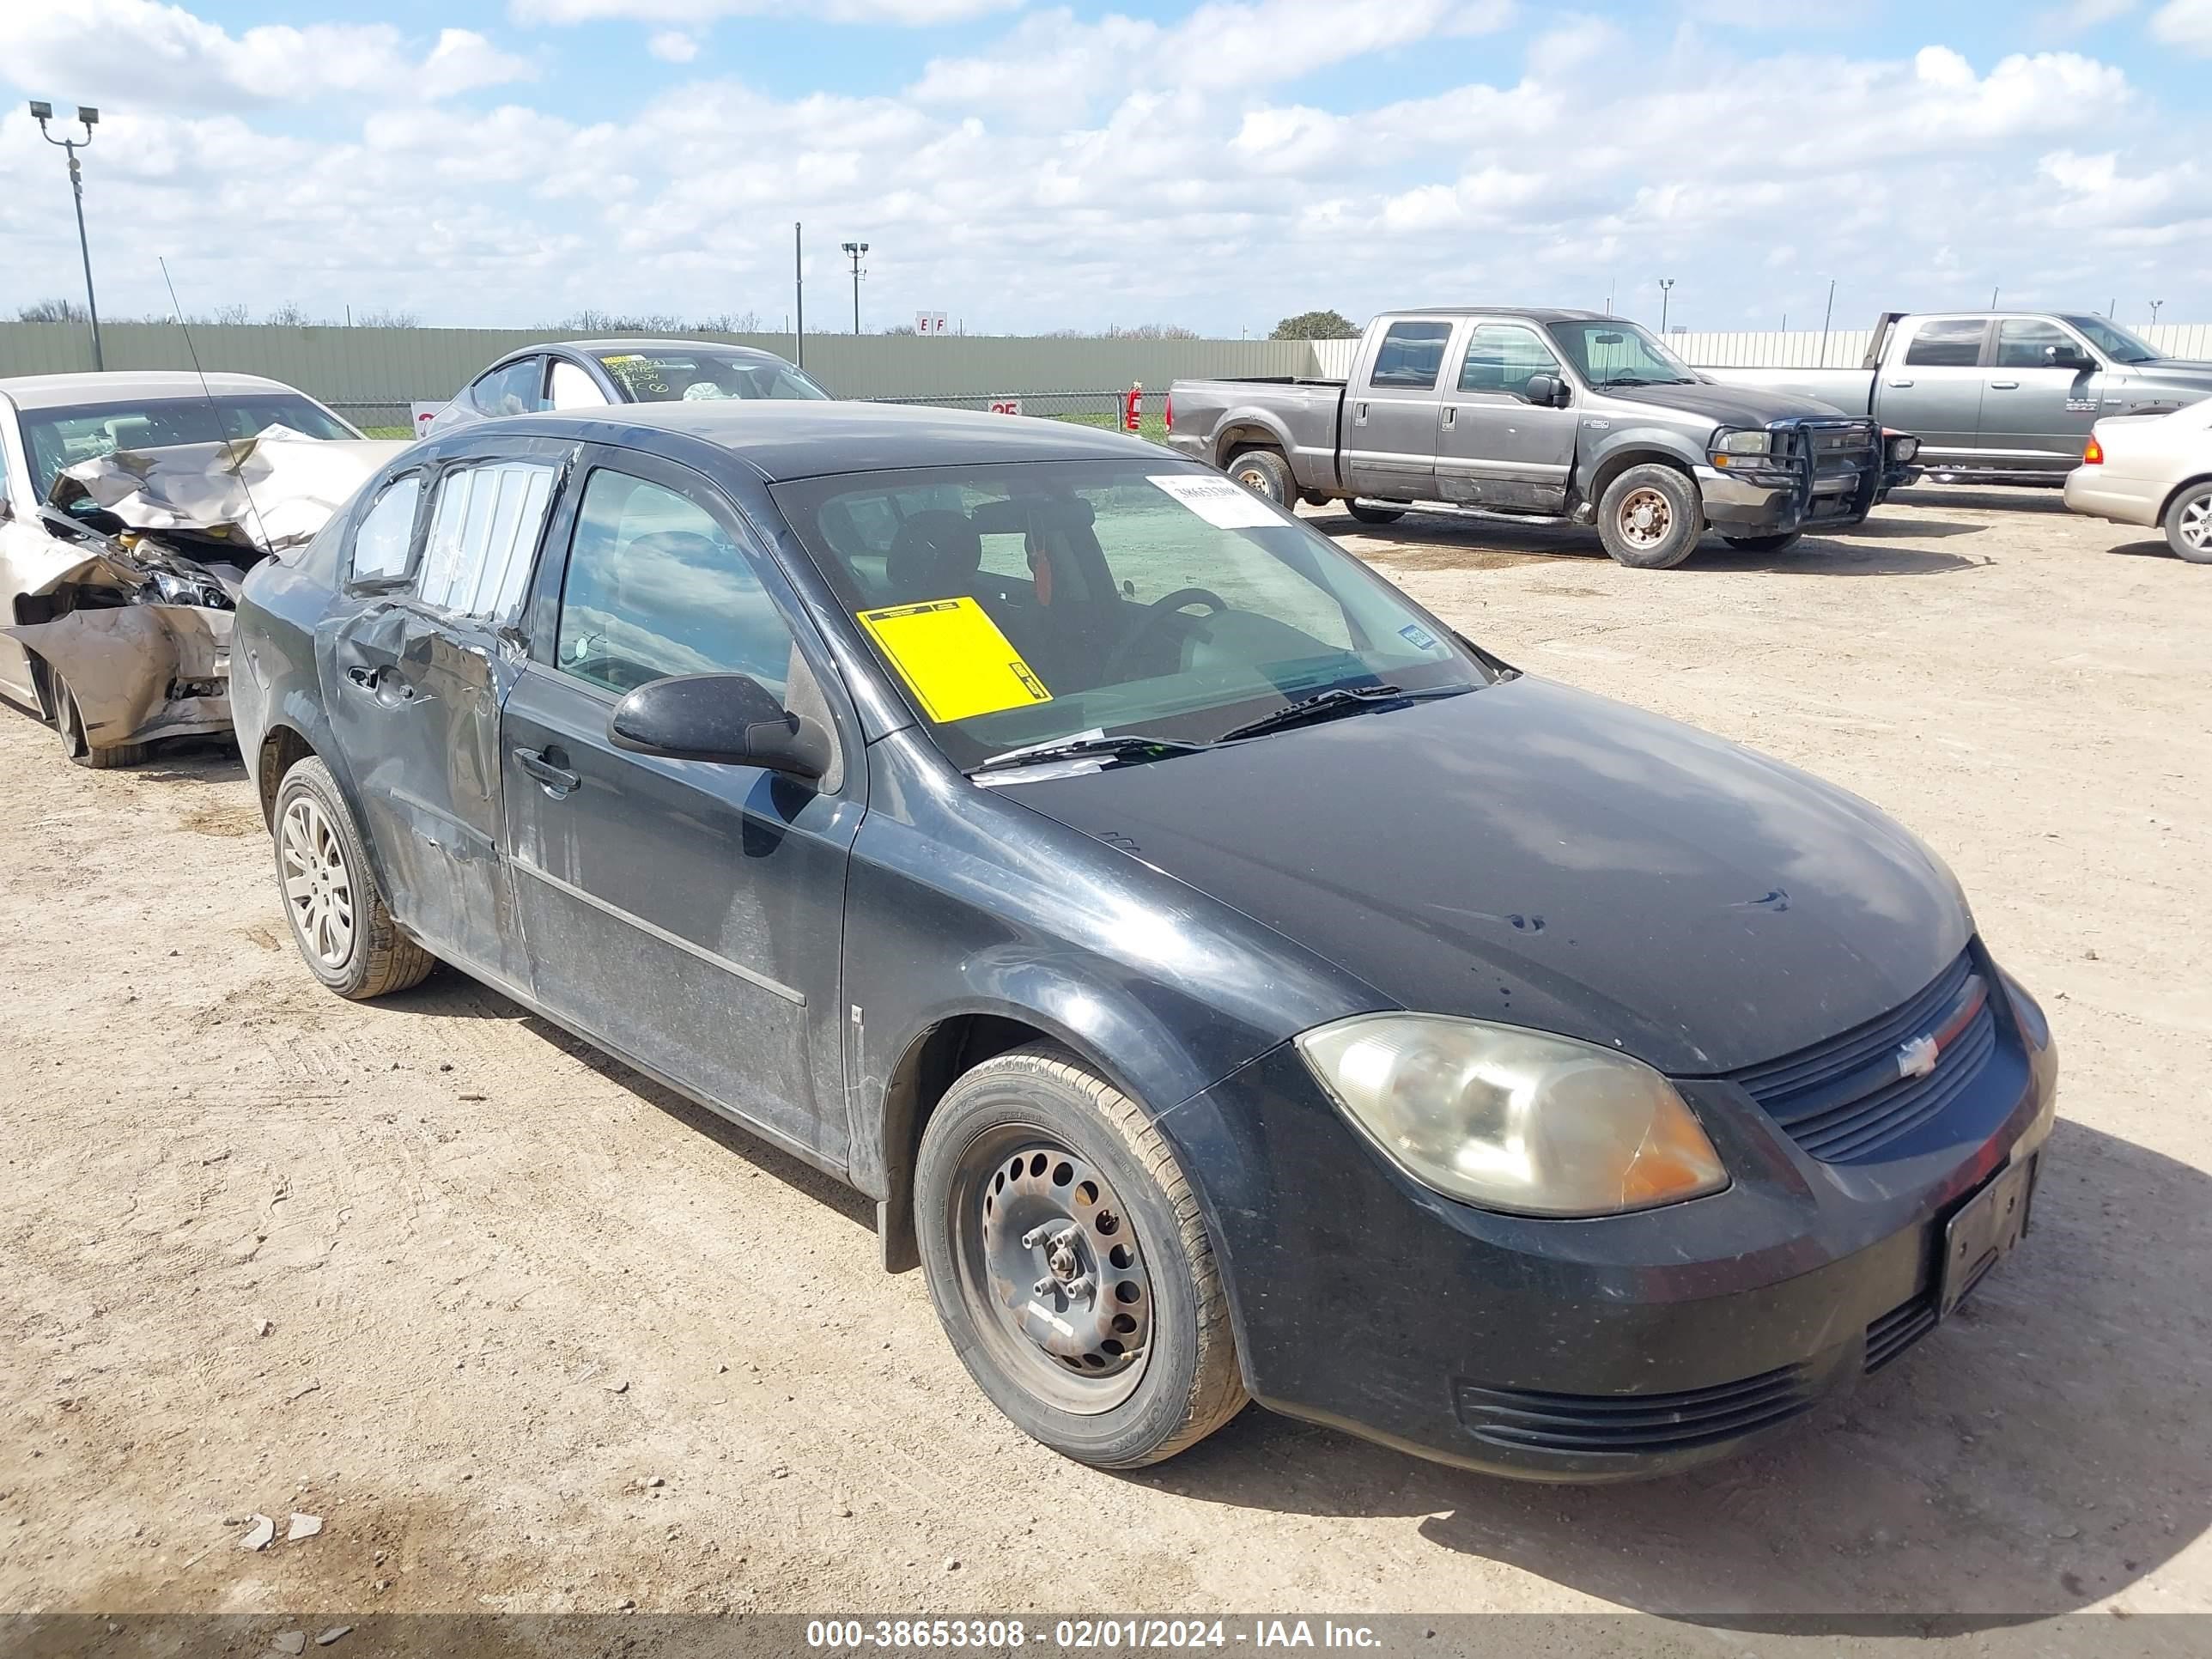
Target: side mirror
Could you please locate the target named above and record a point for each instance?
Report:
(2060, 356)
(1546, 392)
(729, 718)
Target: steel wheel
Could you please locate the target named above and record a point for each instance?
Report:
(1646, 519)
(317, 887)
(1050, 1266)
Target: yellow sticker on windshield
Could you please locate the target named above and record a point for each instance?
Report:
(955, 658)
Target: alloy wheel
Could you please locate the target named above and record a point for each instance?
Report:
(2195, 525)
(317, 887)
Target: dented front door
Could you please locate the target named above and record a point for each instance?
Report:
(414, 696)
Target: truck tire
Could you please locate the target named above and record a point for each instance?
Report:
(1650, 517)
(1265, 474)
(1034, 1167)
(2189, 523)
(1368, 513)
(1773, 543)
(339, 920)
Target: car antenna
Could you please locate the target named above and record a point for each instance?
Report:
(237, 467)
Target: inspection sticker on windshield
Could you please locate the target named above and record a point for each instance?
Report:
(955, 658)
(1222, 503)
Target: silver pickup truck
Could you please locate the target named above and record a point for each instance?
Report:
(1545, 416)
(1996, 396)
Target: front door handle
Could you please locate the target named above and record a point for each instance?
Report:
(1900, 383)
(558, 779)
(1360, 416)
(2004, 386)
(1449, 411)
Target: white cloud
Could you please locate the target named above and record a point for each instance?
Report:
(673, 46)
(907, 13)
(151, 54)
(2075, 17)
(2185, 23)
(1570, 43)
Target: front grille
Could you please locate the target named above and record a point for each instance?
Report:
(1845, 1099)
(1527, 1419)
(1899, 1329)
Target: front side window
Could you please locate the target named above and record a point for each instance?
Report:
(1956, 343)
(483, 533)
(511, 389)
(386, 534)
(571, 388)
(1502, 356)
(57, 438)
(665, 375)
(1410, 355)
(2022, 342)
(1150, 598)
(656, 585)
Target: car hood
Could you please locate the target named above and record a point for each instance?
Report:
(1536, 855)
(2180, 371)
(1727, 405)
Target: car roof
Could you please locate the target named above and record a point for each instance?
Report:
(635, 342)
(30, 391)
(794, 438)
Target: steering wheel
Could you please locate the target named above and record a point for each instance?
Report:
(1155, 617)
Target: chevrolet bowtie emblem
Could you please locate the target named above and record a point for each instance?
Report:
(1917, 1058)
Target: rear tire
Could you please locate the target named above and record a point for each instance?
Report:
(1265, 474)
(1367, 514)
(1773, 543)
(339, 920)
(1650, 517)
(69, 721)
(2189, 523)
(1034, 1146)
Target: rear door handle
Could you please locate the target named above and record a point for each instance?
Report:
(557, 779)
(1449, 411)
(2004, 386)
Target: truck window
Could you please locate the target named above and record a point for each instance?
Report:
(1501, 357)
(1953, 344)
(2021, 341)
(1410, 355)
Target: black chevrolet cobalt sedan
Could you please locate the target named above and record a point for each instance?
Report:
(1228, 982)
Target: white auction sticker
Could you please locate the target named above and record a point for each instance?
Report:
(1221, 502)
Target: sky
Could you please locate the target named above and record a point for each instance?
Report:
(1024, 166)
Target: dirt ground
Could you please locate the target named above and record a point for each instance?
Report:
(540, 1337)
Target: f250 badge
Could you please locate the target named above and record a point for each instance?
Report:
(1597, 426)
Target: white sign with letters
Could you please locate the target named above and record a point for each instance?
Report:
(929, 322)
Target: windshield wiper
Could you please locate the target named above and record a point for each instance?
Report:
(1329, 704)
(1128, 746)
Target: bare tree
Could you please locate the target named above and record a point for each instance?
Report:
(51, 311)
(386, 317)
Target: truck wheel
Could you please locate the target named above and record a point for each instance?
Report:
(1650, 517)
(69, 721)
(1070, 1265)
(1368, 513)
(2189, 523)
(1765, 543)
(339, 919)
(1265, 473)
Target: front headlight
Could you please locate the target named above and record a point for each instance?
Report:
(1742, 443)
(1903, 447)
(1514, 1120)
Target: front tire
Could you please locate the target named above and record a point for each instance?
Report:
(2189, 523)
(344, 931)
(1367, 514)
(1069, 1263)
(1773, 543)
(69, 721)
(1265, 474)
(1650, 517)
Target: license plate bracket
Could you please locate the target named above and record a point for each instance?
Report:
(1982, 1232)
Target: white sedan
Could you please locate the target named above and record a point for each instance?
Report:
(2153, 470)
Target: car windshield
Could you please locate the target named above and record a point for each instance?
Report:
(661, 375)
(1029, 605)
(2114, 341)
(1610, 352)
(57, 438)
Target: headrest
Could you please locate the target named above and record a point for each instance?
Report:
(935, 554)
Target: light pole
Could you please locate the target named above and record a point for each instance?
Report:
(1827, 315)
(1666, 292)
(856, 249)
(44, 113)
(2155, 305)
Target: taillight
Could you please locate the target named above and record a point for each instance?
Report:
(1167, 412)
(2093, 455)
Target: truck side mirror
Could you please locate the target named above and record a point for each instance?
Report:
(1546, 392)
(2064, 356)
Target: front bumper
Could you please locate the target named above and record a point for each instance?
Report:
(1588, 1350)
(1768, 503)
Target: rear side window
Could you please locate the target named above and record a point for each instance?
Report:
(483, 532)
(386, 533)
(656, 586)
(1948, 345)
(511, 390)
(1410, 355)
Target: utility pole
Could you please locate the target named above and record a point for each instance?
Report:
(799, 294)
(1666, 293)
(856, 249)
(1827, 316)
(2154, 306)
(44, 113)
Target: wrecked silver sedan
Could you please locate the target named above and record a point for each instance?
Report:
(131, 506)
